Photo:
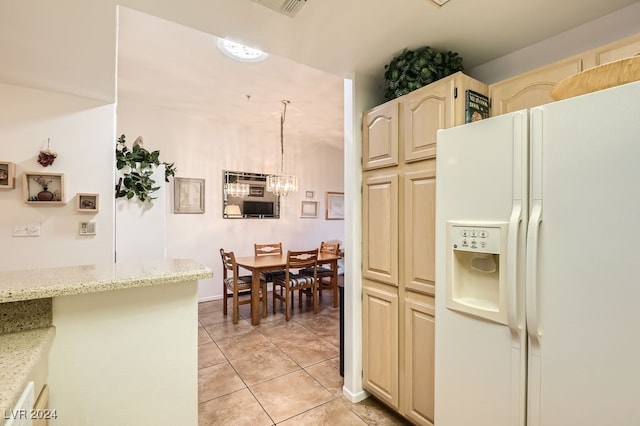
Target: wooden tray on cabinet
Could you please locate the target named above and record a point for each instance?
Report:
(604, 76)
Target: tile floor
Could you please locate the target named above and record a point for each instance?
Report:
(277, 373)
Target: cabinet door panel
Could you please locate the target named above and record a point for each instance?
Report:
(619, 50)
(530, 89)
(419, 229)
(380, 228)
(619, 53)
(380, 136)
(426, 110)
(380, 341)
(419, 358)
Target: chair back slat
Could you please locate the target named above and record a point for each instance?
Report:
(228, 261)
(267, 249)
(302, 259)
(330, 247)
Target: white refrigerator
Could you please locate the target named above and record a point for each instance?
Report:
(538, 266)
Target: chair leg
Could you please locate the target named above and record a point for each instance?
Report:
(235, 307)
(264, 300)
(287, 308)
(335, 295)
(224, 301)
(274, 298)
(315, 297)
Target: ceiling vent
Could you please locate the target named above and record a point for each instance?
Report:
(286, 7)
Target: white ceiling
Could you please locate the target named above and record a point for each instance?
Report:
(69, 46)
(175, 67)
(178, 67)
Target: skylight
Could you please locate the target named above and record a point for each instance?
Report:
(241, 52)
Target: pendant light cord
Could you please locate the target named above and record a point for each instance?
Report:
(282, 118)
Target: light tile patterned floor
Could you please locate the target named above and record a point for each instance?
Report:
(278, 373)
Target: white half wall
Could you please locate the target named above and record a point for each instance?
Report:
(82, 133)
(126, 357)
(202, 147)
(140, 227)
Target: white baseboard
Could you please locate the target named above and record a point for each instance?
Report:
(209, 299)
(355, 397)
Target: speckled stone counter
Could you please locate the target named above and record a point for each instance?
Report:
(26, 331)
(19, 355)
(65, 281)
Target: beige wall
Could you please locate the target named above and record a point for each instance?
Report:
(202, 147)
(81, 131)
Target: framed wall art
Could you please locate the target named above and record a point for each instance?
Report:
(87, 203)
(335, 206)
(188, 195)
(7, 175)
(309, 209)
(41, 188)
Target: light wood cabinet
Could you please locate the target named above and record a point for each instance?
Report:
(532, 88)
(419, 228)
(439, 105)
(380, 341)
(398, 241)
(380, 227)
(427, 110)
(620, 49)
(419, 360)
(380, 128)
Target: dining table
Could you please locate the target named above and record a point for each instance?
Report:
(274, 262)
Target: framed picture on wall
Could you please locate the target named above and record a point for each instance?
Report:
(309, 209)
(335, 206)
(188, 195)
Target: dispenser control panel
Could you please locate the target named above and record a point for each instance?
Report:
(480, 239)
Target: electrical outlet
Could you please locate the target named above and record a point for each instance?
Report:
(32, 230)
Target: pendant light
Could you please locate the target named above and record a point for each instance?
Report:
(282, 184)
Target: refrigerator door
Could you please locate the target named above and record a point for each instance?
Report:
(583, 258)
(481, 190)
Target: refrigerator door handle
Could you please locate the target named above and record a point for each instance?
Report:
(533, 233)
(513, 313)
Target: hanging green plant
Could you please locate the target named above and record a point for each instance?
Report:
(136, 166)
(412, 69)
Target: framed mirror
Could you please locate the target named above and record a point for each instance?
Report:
(244, 196)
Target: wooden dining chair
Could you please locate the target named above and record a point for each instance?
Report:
(235, 285)
(273, 249)
(327, 275)
(293, 280)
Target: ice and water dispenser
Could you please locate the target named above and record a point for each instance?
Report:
(476, 270)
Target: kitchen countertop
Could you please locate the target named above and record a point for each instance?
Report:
(19, 354)
(65, 281)
(26, 330)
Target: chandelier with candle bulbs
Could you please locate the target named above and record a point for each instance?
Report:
(282, 184)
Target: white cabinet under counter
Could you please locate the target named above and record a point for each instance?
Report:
(123, 341)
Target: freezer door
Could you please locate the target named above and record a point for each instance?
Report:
(583, 255)
(481, 198)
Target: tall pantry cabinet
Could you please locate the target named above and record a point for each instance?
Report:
(398, 236)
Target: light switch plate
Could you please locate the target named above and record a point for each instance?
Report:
(87, 228)
(31, 230)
